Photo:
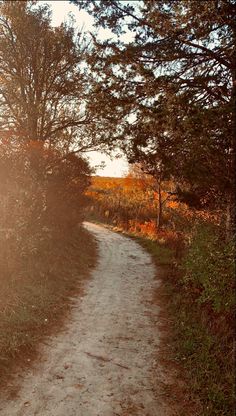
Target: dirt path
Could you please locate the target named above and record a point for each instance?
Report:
(103, 363)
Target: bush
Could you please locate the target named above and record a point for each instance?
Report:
(204, 306)
(42, 200)
(210, 268)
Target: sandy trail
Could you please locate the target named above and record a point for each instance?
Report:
(103, 362)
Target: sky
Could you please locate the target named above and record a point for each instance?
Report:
(60, 11)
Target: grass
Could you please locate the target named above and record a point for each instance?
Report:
(35, 300)
(201, 338)
(162, 254)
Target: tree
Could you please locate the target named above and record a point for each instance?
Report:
(156, 179)
(43, 129)
(177, 80)
(44, 89)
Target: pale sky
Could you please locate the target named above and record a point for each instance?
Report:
(60, 11)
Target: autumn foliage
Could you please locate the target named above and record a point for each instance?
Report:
(132, 204)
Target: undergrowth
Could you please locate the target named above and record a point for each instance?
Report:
(206, 322)
(201, 305)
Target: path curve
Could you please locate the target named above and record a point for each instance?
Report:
(103, 363)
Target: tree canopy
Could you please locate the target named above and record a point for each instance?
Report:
(44, 91)
(173, 86)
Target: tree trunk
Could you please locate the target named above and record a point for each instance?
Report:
(230, 209)
(159, 208)
(230, 218)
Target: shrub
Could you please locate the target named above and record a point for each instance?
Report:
(42, 198)
(210, 268)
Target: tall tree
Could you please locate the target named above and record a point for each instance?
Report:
(43, 83)
(177, 80)
(43, 123)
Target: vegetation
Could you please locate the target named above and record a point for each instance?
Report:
(162, 89)
(44, 92)
(133, 202)
(169, 92)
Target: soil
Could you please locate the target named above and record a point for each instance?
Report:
(104, 360)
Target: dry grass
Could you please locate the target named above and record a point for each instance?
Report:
(36, 297)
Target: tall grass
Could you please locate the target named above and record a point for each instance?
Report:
(207, 319)
(199, 294)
